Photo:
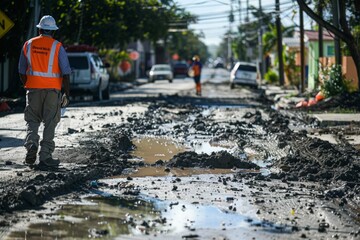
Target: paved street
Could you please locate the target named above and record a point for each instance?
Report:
(159, 140)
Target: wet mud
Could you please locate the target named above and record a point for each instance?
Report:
(305, 176)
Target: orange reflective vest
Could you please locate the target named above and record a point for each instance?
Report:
(43, 70)
(197, 70)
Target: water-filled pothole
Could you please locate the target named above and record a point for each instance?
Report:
(93, 217)
(151, 149)
(113, 217)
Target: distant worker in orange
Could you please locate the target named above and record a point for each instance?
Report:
(196, 67)
(44, 68)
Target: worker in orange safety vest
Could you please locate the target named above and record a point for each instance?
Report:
(196, 71)
(44, 70)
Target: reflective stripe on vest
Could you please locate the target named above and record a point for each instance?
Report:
(49, 72)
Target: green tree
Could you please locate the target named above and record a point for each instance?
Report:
(106, 23)
(187, 44)
(184, 42)
(102, 23)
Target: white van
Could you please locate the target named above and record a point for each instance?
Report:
(89, 75)
(243, 73)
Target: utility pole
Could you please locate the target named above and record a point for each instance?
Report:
(32, 23)
(239, 11)
(36, 17)
(231, 20)
(240, 48)
(320, 33)
(247, 11)
(261, 62)
(81, 21)
(320, 10)
(335, 8)
(279, 42)
(302, 53)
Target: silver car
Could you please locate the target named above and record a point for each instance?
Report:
(243, 73)
(160, 72)
(89, 75)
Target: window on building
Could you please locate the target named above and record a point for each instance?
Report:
(330, 51)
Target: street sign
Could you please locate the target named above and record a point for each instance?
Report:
(5, 24)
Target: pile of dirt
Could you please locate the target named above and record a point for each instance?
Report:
(220, 159)
(336, 167)
(313, 159)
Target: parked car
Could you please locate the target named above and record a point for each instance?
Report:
(89, 75)
(219, 63)
(180, 69)
(243, 73)
(160, 72)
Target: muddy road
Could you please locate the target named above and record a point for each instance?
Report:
(157, 162)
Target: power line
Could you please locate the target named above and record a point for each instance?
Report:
(213, 13)
(207, 6)
(209, 18)
(211, 28)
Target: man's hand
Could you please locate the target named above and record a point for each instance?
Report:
(23, 79)
(64, 101)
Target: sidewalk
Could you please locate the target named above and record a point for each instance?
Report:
(288, 98)
(343, 127)
(11, 105)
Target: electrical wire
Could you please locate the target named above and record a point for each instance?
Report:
(223, 16)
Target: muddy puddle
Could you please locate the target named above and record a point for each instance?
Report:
(150, 149)
(92, 217)
(111, 216)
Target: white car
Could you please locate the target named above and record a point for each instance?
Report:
(160, 72)
(89, 75)
(243, 73)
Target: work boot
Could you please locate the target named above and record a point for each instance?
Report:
(31, 155)
(50, 162)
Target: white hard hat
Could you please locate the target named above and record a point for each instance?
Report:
(47, 23)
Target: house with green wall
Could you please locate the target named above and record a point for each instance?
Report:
(311, 39)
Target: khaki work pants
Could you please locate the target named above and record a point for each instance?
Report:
(42, 106)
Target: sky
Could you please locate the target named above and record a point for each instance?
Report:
(213, 20)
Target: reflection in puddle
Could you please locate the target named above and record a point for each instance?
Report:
(182, 216)
(108, 218)
(152, 149)
(208, 148)
(96, 217)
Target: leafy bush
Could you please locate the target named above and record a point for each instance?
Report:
(333, 82)
(271, 77)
